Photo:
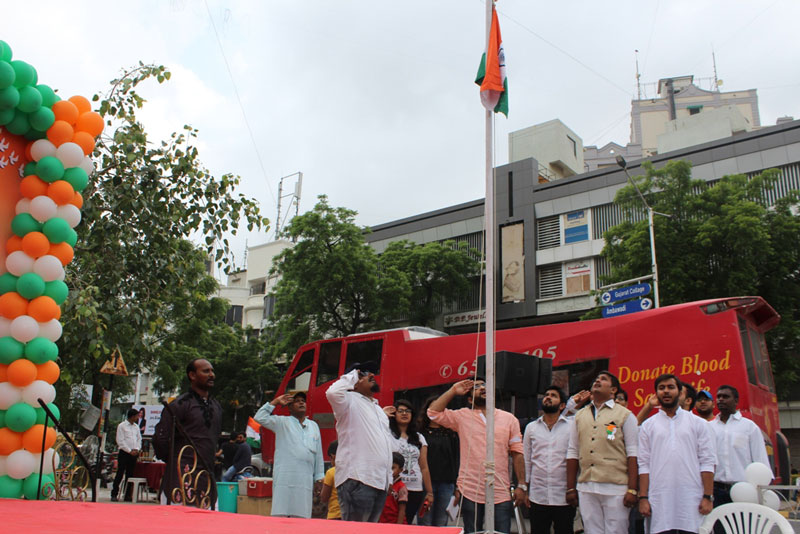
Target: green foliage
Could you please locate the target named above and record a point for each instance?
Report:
(720, 240)
(137, 283)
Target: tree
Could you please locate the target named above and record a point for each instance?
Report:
(720, 239)
(134, 268)
(437, 273)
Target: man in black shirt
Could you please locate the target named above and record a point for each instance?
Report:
(241, 459)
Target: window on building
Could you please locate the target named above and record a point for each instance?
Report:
(364, 351)
(258, 288)
(269, 306)
(694, 110)
(234, 315)
(550, 281)
(548, 232)
(329, 356)
(574, 146)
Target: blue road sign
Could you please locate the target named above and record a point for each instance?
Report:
(625, 293)
(624, 308)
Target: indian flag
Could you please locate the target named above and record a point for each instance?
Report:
(253, 433)
(492, 72)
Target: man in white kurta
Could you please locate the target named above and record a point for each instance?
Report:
(676, 464)
(298, 456)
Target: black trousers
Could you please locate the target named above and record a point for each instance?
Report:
(560, 517)
(126, 463)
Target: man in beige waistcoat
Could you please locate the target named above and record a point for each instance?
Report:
(603, 444)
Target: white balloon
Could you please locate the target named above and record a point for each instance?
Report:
(38, 389)
(50, 330)
(3, 465)
(49, 268)
(5, 328)
(87, 165)
(742, 492)
(70, 154)
(20, 464)
(9, 395)
(23, 206)
(771, 499)
(69, 213)
(43, 208)
(47, 468)
(41, 148)
(24, 328)
(19, 263)
(758, 474)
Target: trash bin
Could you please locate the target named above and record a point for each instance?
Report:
(227, 493)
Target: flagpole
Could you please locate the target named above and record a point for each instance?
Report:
(488, 217)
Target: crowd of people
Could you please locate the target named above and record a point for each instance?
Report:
(661, 470)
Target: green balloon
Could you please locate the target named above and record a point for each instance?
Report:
(30, 486)
(20, 417)
(57, 230)
(2, 418)
(11, 488)
(9, 97)
(24, 223)
(40, 415)
(26, 74)
(40, 350)
(30, 286)
(5, 51)
(72, 238)
(8, 283)
(56, 290)
(48, 95)
(6, 116)
(50, 169)
(77, 178)
(19, 125)
(34, 134)
(29, 168)
(11, 350)
(42, 119)
(29, 99)
(7, 75)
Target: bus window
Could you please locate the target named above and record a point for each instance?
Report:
(748, 354)
(329, 357)
(763, 369)
(576, 377)
(364, 351)
(301, 375)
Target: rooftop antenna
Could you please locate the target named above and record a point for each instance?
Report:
(244, 267)
(638, 76)
(295, 200)
(717, 81)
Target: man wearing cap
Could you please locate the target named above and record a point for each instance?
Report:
(364, 457)
(704, 406)
(299, 467)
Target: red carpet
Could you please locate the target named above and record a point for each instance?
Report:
(66, 517)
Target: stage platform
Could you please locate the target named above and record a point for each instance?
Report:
(68, 517)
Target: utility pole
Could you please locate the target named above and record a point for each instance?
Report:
(296, 194)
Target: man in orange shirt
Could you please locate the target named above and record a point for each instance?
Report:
(470, 423)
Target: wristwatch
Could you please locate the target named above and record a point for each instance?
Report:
(709, 497)
(523, 487)
(633, 492)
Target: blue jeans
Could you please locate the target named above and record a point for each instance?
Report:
(437, 515)
(360, 502)
(473, 516)
(230, 475)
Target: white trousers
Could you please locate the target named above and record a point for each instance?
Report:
(603, 514)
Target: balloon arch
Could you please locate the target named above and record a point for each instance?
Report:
(45, 163)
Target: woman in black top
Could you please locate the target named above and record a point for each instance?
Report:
(443, 460)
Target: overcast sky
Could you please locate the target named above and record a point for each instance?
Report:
(374, 101)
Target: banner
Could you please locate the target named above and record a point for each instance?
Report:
(149, 416)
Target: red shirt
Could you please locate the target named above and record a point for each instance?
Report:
(397, 493)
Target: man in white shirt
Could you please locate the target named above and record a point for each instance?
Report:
(603, 443)
(364, 457)
(545, 450)
(129, 442)
(739, 443)
(676, 464)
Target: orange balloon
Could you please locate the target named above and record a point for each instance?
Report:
(81, 103)
(11, 441)
(77, 201)
(21, 372)
(32, 186)
(61, 192)
(85, 141)
(66, 111)
(48, 371)
(13, 244)
(28, 154)
(35, 244)
(62, 251)
(3, 372)
(44, 309)
(32, 438)
(60, 132)
(12, 305)
(91, 123)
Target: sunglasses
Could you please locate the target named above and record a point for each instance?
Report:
(403, 411)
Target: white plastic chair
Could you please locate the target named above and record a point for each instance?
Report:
(746, 518)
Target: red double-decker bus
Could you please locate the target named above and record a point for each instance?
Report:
(706, 343)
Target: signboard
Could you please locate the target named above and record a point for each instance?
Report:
(624, 308)
(149, 416)
(576, 227)
(115, 365)
(625, 293)
(457, 319)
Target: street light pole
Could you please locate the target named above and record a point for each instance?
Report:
(653, 264)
